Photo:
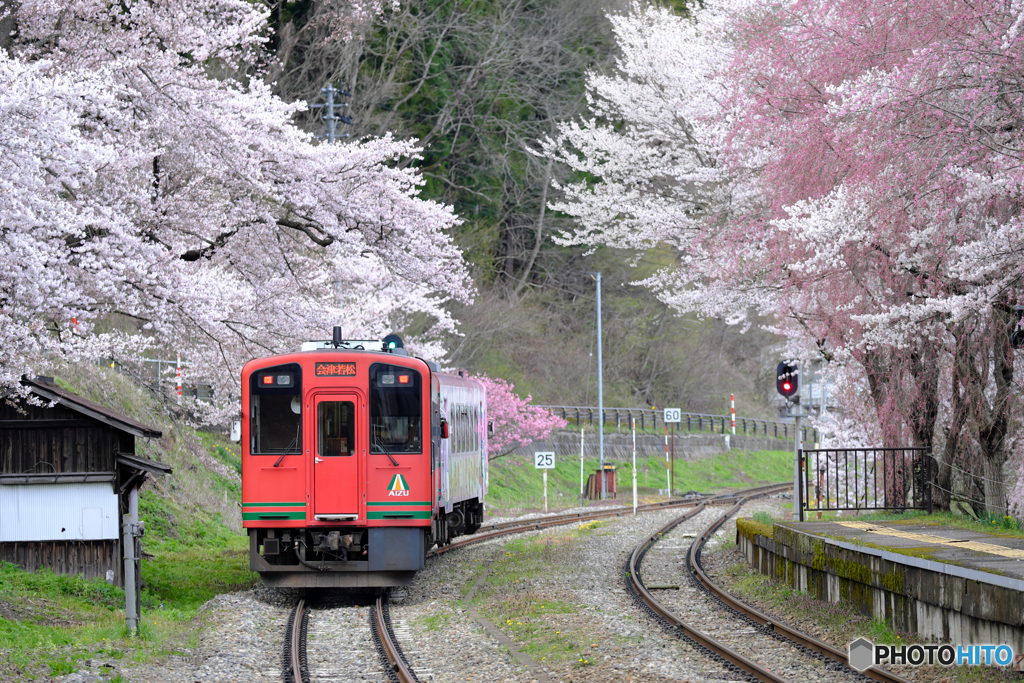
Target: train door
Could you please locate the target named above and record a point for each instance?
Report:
(446, 456)
(336, 489)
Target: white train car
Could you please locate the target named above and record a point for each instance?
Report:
(462, 469)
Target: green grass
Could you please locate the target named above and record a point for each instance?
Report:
(66, 619)
(195, 556)
(56, 620)
(517, 485)
(49, 623)
(532, 617)
(841, 618)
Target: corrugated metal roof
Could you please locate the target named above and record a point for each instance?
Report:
(54, 393)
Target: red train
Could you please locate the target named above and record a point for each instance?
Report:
(356, 459)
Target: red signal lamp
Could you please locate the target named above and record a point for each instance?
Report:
(403, 379)
(268, 379)
(787, 380)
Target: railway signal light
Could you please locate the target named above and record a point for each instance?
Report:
(787, 379)
(393, 341)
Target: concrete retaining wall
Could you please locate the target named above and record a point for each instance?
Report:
(933, 599)
(619, 446)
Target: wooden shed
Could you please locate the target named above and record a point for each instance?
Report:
(69, 480)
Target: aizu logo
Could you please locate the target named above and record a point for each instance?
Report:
(398, 486)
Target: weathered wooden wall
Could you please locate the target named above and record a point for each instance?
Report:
(90, 559)
(53, 440)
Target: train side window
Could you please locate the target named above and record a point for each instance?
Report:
(460, 430)
(396, 409)
(276, 410)
(335, 422)
(464, 423)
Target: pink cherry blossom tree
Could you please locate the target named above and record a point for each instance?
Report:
(516, 423)
(849, 169)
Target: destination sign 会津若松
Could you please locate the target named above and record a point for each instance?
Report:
(335, 370)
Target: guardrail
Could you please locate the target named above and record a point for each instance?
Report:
(692, 422)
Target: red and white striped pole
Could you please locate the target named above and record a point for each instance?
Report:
(179, 378)
(732, 400)
(667, 473)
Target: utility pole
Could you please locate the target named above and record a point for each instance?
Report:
(600, 393)
(330, 118)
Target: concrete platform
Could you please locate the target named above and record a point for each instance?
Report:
(952, 585)
(994, 553)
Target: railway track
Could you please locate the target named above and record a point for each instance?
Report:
(297, 668)
(759, 634)
(395, 665)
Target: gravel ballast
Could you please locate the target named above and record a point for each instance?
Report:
(557, 595)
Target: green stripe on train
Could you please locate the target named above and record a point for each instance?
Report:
(271, 516)
(410, 514)
(396, 503)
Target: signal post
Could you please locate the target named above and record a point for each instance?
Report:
(787, 383)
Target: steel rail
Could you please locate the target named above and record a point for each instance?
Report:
(732, 658)
(296, 670)
(538, 523)
(399, 669)
(295, 641)
(803, 640)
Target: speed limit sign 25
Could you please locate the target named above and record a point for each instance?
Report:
(544, 460)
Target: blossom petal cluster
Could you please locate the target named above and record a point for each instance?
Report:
(515, 423)
(151, 183)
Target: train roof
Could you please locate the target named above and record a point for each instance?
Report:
(306, 356)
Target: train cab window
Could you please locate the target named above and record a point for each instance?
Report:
(335, 422)
(275, 410)
(396, 409)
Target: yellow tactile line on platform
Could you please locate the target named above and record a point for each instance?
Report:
(928, 538)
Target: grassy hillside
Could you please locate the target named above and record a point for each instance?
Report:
(516, 486)
(193, 549)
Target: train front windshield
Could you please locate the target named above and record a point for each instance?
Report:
(396, 409)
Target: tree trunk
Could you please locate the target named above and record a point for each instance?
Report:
(943, 488)
(995, 489)
(992, 418)
(992, 432)
(924, 367)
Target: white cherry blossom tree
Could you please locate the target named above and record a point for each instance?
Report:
(153, 192)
